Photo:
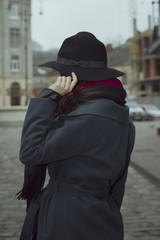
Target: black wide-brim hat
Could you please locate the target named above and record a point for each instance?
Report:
(84, 55)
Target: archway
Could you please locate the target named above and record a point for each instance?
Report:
(15, 94)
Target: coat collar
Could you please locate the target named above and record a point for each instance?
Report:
(102, 107)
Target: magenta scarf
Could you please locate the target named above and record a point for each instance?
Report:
(112, 82)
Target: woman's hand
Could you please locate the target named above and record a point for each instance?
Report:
(64, 85)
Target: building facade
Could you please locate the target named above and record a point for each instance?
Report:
(150, 63)
(15, 52)
(139, 58)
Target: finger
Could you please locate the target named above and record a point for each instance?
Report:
(59, 80)
(68, 82)
(74, 76)
(63, 81)
(74, 81)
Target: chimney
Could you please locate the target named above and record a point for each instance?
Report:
(109, 48)
(134, 27)
(149, 22)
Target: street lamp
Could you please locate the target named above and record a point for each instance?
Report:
(40, 2)
(26, 52)
(26, 16)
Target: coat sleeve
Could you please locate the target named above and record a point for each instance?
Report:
(43, 141)
(118, 188)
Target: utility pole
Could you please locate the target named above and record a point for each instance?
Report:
(26, 50)
(132, 15)
(159, 18)
(153, 13)
(156, 21)
(40, 2)
(2, 56)
(25, 13)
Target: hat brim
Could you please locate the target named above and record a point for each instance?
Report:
(86, 74)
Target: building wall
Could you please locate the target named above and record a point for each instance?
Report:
(22, 50)
(21, 83)
(1, 100)
(150, 65)
(153, 70)
(149, 100)
(142, 69)
(127, 78)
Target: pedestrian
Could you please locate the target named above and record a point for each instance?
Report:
(79, 129)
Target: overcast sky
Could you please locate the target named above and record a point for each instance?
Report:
(109, 20)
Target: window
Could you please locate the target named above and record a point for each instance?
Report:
(147, 67)
(146, 42)
(155, 88)
(15, 64)
(14, 11)
(14, 36)
(143, 88)
(158, 66)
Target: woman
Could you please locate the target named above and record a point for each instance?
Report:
(79, 128)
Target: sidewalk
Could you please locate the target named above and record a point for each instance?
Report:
(146, 153)
(12, 115)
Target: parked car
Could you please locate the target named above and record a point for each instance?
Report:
(136, 112)
(152, 110)
(148, 116)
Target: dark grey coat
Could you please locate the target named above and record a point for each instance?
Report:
(87, 152)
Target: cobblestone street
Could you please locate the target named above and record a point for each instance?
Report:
(140, 209)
